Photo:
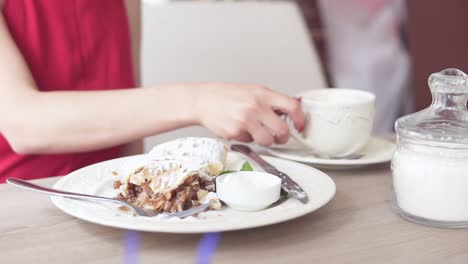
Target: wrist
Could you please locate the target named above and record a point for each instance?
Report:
(196, 104)
(193, 106)
(185, 103)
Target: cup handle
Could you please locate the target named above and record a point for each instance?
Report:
(295, 134)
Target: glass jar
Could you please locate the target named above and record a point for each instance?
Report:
(430, 165)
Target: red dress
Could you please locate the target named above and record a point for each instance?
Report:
(68, 45)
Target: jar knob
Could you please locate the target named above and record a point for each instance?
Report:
(449, 89)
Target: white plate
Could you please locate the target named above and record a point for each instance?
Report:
(97, 179)
(378, 150)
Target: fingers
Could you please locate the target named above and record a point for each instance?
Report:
(243, 137)
(290, 106)
(275, 126)
(267, 130)
(260, 134)
(254, 114)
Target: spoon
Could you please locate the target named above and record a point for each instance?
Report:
(79, 196)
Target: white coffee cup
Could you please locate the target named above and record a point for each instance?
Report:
(338, 121)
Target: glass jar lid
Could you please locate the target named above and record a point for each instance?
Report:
(446, 119)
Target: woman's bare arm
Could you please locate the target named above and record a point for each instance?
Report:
(51, 122)
(36, 122)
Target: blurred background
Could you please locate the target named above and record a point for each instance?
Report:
(388, 47)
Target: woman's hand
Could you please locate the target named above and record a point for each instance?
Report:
(246, 112)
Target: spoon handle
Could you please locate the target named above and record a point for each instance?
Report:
(34, 187)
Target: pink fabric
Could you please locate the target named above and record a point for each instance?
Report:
(68, 45)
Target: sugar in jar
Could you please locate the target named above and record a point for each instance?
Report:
(430, 165)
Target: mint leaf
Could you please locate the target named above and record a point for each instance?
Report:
(225, 171)
(246, 167)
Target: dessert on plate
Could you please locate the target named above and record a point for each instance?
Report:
(211, 152)
(179, 176)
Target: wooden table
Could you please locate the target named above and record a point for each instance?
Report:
(357, 226)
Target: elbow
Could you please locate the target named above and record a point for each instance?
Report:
(23, 142)
(20, 129)
(21, 146)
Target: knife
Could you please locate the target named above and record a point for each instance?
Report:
(287, 184)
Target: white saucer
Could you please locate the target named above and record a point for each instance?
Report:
(378, 150)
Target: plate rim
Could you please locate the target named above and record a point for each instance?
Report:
(115, 223)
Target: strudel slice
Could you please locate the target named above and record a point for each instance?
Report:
(169, 185)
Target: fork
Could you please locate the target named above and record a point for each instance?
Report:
(86, 197)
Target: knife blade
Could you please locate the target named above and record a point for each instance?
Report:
(287, 184)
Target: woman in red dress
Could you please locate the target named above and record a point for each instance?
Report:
(65, 72)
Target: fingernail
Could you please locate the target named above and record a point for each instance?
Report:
(301, 129)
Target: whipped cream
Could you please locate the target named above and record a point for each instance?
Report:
(248, 190)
